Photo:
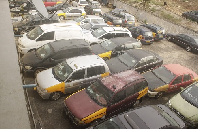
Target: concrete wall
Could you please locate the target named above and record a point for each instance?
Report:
(13, 111)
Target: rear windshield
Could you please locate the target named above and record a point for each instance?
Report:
(109, 45)
(130, 18)
(44, 51)
(191, 94)
(127, 60)
(148, 34)
(164, 74)
(33, 34)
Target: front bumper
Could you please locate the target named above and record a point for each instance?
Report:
(146, 41)
(42, 92)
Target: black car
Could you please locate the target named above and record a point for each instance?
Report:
(111, 19)
(188, 42)
(136, 59)
(94, 25)
(31, 21)
(142, 33)
(53, 53)
(146, 117)
(93, 8)
(115, 46)
(192, 15)
(158, 31)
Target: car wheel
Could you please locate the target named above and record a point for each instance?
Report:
(188, 48)
(55, 96)
(62, 18)
(37, 71)
(159, 94)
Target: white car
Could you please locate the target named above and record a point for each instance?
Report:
(70, 76)
(46, 33)
(99, 34)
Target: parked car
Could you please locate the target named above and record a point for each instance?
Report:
(31, 21)
(136, 59)
(87, 19)
(93, 8)
(99, 34)
(145, 117)
(71, 13)
(46, 33)
(142, 33)
(115, 46)
(94, 25)
(51, 2)
(106, 97)
(185, 105)
(69, 76)
(56, 7)
(53, 53)
(111, 19)
(188, 42)
(168, 78)
(127, 19)
(158, 31)
(192, 15)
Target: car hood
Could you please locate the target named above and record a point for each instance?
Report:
(90, 38)
(153, 81)
(46, 79)
(81, 105)
(98, 49)
(115, 65)
(184, 108)
(30, 59)
(24, 41)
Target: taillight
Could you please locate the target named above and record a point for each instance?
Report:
(142, 37)
(125, 21)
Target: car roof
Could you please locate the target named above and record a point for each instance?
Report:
(93, 16)
(59, 27)
(117, 81)
(68, 44)
(178, 69)
(86, 61)
(144, 28)
(138, 54)
(154, 26)
(124, 40)
(117, 29)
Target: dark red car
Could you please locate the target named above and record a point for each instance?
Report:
(51, 2)
(106, 97)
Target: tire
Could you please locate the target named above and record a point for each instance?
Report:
(55, 96)
(61, 18)
(188, 49)
(159, 94)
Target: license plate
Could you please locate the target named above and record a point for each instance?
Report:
(148, 41)
(117, 25)
(130, 23)
(96, 14)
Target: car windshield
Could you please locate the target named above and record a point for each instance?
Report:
(79, 19)
(109, 45)
(164, 74)
(130, 18)
(33, 34)
(83, 2)
(148, 34)
(109, 124)
(99, 93)
(97, 33)
(87, 26)
(190, 94)
(66, 10)
(127, 60)
(62, 71)
(44, 51)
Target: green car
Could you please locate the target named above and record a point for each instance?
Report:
(185, 104)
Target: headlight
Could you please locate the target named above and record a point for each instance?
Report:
(28, 67)
(16, 29)
(169, 104)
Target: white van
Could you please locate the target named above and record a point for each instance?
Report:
(46, 33)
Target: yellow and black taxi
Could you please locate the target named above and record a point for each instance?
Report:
(157, 31)
(115, 46)
(106, 97)
(142, 33)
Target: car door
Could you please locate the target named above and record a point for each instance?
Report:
(76, 81)
(176, 83)
(187, 80)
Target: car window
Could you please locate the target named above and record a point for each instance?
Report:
(46, 36)
(78, 75)
(186, 78)
(107, 36)
(94, 71)
(75, 11)
(118, 97)
(177, 80)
